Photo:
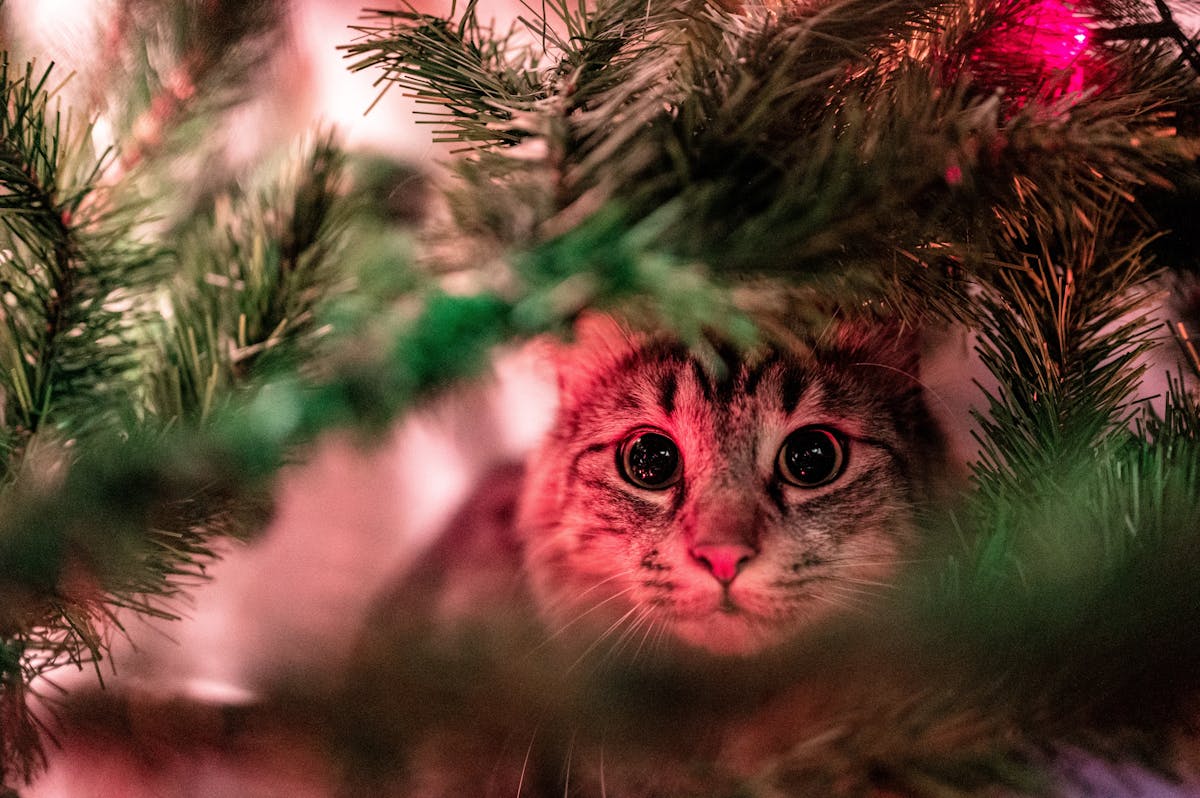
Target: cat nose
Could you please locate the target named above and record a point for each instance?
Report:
(723, 560)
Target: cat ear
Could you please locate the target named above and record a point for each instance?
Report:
(883, 352)
(600, 343)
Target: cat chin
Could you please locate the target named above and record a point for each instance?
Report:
(724, 635)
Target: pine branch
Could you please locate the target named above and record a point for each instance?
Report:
(1079, 529)
(1073, 517)
(168, 64)
(476, 79)
(647, 150)
(253, 278)
(1063, 334)
(73, 344)
(66, 353)
(71, 277)
(764, 125)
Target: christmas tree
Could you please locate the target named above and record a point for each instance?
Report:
(1024, 168)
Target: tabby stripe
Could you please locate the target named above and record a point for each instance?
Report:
(775, 491)
(666, 397)
(573, 469)
(793, 389)
(820, 503)
(702, 380)
(619, 496)
(679, 495)
(750, 384)
(901, 462)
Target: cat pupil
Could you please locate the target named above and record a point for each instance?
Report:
(811, 457)
(651, 460)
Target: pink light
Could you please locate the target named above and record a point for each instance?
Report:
(1058, 36)
(1045, 51)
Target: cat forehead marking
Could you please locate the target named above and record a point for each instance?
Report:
(763, 383)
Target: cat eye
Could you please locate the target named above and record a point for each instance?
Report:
(650, 460)
(811, 456)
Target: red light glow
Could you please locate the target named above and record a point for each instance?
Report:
(1045, 51)
(1058, 37)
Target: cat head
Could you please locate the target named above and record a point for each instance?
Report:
(728, 507)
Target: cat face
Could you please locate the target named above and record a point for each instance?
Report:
(724, 511)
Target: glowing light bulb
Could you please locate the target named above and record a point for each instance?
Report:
(1042, 52)
(1058, 34)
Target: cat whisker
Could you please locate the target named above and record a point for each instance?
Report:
(928, 391)
(842, 604)
(650, 628)
(862, 596)
(567, 767)
(864, 582)
(644, 622)
(879, 587)
(845, 587)
(648, 619)
(630, 630)
(860, 559)
(569, 601)
(839, 598)
(662, 640)
(790, 584)
(615, 642)
(603, 786)
(562, 629)
(607, 633)
(654, 641)
(525, 764)
(605, 581)
(850, 586)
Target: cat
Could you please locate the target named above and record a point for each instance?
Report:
(691, 515)
(685, 590)
(725, 506)
(720, 502)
